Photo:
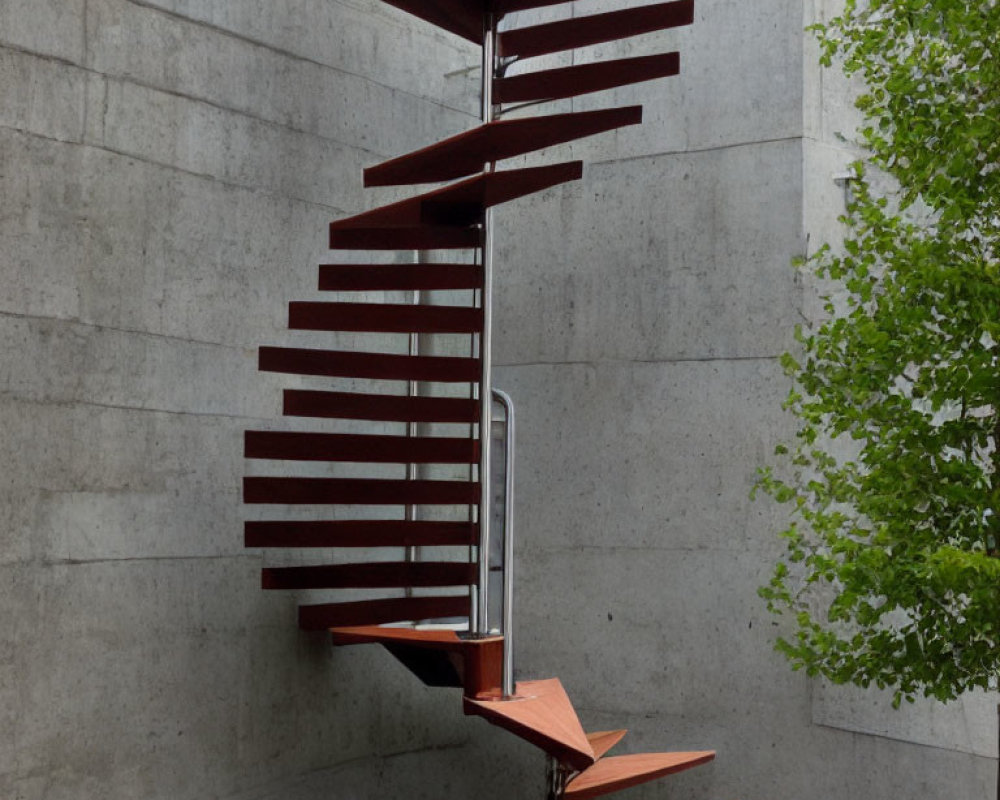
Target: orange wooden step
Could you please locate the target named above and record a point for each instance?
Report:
(359, 533)
(358, 491)
(564, 82)
(603, 741)
(381, 366)
(540, 713)
(568, 34)
(361, 448)
(323, 616)
(398, 277)
(370, 575)
(467, 152)
(620, 772)
(479, 659)
(387, 407)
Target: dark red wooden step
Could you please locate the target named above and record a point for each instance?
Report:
(426, 237)
(461, 17)
(467, 152)
(383, 318)
(376, 612)
(507, 6)
(462, 204)
(371, 575)
(382, 366)
(358, 491)
(359, 533)
(376, 449)
(389, 408)
(557, 84)
(568, 34)
(399, 277)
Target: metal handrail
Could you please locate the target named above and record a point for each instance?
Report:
(507, 623)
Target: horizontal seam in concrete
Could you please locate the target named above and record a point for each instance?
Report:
(194, 99)
(174, 168)
(697, 151)
(284, 782)
(83, 562)
(617, 361)
(900, 740)
(48, 401)
(287, 53)
(136, 331)
(636, 548)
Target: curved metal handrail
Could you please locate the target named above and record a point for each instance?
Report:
(507, 623)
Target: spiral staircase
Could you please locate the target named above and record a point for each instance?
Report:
(430, 480)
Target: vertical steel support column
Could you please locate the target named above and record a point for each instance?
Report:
(485, 344)
(410, 511)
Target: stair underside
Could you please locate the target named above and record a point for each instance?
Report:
(434, 655)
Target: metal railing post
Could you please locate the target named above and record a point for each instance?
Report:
(485, 344)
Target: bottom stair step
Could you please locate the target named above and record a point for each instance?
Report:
(620, 772)
(541, 713)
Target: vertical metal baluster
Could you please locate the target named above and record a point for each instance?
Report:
(485, 342)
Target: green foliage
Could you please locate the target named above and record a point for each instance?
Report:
(891, 569)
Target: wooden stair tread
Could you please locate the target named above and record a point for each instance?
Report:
(379, 366)
(358, 491)
(377, 634)
(620, 772)
(464, 17)
(360, 448)
(461, 204)
(398, 277)
(568, 34)
(387, 407)
(383, 317)
(423, 237)
(358, 533)
(323, 616)
(563, 82)
(541, 713)
(370, 575)
(466, 153)
(603, 741)
(474, 663)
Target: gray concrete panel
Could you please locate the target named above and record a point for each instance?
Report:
(203, 63)
(53, 27)
(680, 257)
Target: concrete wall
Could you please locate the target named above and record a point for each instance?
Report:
(167, 170)
(641, 315)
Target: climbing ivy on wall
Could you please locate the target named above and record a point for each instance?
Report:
(892, 564)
